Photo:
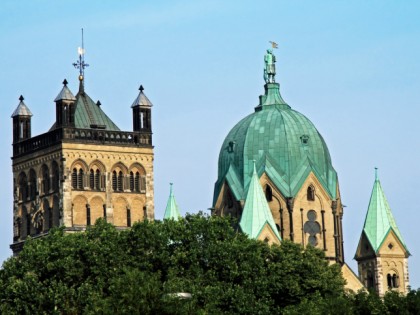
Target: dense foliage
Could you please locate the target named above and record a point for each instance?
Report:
(139, 271)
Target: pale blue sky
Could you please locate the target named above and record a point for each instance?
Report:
(351, 67)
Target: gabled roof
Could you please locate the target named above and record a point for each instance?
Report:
(379, 219)
(65, 93)
(172, 210)
(21, 109)
(141, 99)
(256, 213)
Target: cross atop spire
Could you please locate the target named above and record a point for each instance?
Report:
(81, 65)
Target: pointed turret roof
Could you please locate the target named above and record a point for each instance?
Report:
(141, 99)
(21, 109)
(256, 213)
(379, 219)
(172, 210)
(65, 93)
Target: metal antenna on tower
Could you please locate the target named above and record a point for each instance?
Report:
(80, 64)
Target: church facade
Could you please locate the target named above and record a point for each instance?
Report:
(83, 168)
(298, 192)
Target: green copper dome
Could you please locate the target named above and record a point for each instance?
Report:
(285, 144)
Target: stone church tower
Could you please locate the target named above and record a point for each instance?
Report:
(83, 168)
(294, 169)
(382, 254)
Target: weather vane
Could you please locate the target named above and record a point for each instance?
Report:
(80, 64)
(274, 44)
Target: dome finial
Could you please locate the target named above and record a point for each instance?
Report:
(65, 82)
(21, 98)
(270, 67)
(376, 173)
(141, 88)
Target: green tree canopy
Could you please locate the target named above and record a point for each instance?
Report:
(141, 271)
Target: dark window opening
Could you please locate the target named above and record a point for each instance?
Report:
(80, 179)
(74, 178)
(88, 215)
(92, 180)
(104, 206)
(131, 181)
(310, 193)
(114, 180)
(97, 180)
(137, 182)
(268, 193)
(120, 181)
(128, 217)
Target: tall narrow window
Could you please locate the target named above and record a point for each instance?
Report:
(32, 184)
(131, 181)
(92, 180)
(74, 178)
(104, 207)
(87, 215)
(128, 217)
(310, 193)
(137, 182)
(120, 181)
(97, 180)
(370, 280)
(268, 193)
(395, 281)
(80, 179)
(114, 181)
(389, 280)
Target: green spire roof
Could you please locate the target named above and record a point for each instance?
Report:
(172, 210)
(256, 213)
(379, 220)
(89, 115)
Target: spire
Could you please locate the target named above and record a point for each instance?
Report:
(21, 109)
(172, 210)
(256, 213)
(81, 65)
(141, 99)
(65, 93)
(379, 219)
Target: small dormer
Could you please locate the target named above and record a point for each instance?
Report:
(21, 122)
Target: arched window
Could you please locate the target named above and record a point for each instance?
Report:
(268, 193)
(137, 180)
(392, 280)
(310, 193)
(114, 181)
(74, 178)
(80, 179)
